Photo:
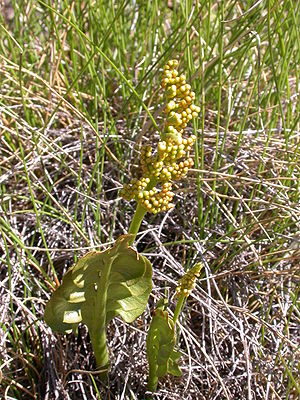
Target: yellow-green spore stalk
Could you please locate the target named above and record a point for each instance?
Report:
(171, 160)
(185, 286)
(188, 282)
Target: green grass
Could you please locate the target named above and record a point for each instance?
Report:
(79, 93)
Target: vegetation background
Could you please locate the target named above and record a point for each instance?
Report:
(77, 78)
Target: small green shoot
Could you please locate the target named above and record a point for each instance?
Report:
(161, 338)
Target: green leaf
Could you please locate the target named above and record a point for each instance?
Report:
(99, 287)
(161, 339)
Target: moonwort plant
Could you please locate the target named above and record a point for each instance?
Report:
(161, 337)
(118, 281)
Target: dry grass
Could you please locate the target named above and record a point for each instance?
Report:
(237, 325)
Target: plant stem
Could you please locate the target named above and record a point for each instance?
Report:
(98, 340)
(152, 380)
(97, 326)
(178, 308)
(136, 221)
